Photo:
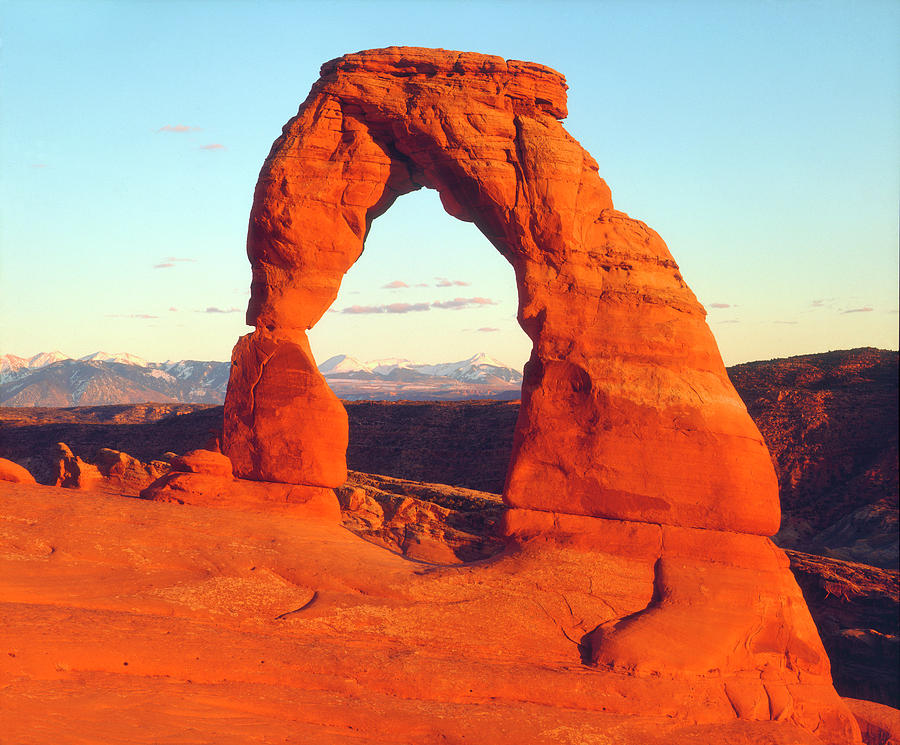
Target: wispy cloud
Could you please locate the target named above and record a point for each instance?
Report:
(395, 285)
(731, 320)
(143, 316)
(823, 302)
(390, 308)
(173, 309)
(444, 282)
(178, 128)
(786, 323)
(463, 302)
(213, 146)
(487, 329)
(171, 261)
(213, 309)
(455, 304)
(864, 309)
(717, 306)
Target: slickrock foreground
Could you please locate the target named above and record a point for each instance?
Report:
(144, 622)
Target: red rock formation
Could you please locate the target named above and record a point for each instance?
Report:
(204, 461)
(205, 478)
(629, 428)
(880, 724)
(185, 619)
(627, 411)
(430, 522)
(126, 473)
(283, 423)
(11, 471)
(74, 473)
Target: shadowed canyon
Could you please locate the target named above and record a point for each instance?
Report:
(622, 587)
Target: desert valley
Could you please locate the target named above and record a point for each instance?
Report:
(624, 542)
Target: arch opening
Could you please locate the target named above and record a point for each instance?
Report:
(426, 314)
(427, 288)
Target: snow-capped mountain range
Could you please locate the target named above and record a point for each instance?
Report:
(477, 369)
(54, 379)
(10, 363)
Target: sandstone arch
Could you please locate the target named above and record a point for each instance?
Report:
(631, 443)
(627, 411)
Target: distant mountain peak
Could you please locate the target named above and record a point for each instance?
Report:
(342, 363)
(480, 368)
(124, 357)
(46, 358)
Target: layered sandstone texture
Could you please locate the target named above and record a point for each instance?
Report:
(627, 411)
(204, 477)
(135, 621)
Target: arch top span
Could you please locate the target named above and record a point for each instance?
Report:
(535, 85)
(626, 412)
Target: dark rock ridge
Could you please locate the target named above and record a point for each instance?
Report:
(830, 422)
(856, 609)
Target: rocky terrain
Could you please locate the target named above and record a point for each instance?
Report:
(444, 470)
(134, 621)
(830, 422)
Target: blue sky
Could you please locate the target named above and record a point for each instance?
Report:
(760, 139)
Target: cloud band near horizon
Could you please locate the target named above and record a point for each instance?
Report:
(455, 304)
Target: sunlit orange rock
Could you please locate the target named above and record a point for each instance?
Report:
(126, 473)
(205, 478)
(11, 471)
(283, 422)
(235, 625)
(203, 461)
(210, 490)
(627, 411)
(74, 473)
(630, 440)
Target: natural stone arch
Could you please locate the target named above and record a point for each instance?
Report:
(627, 411)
